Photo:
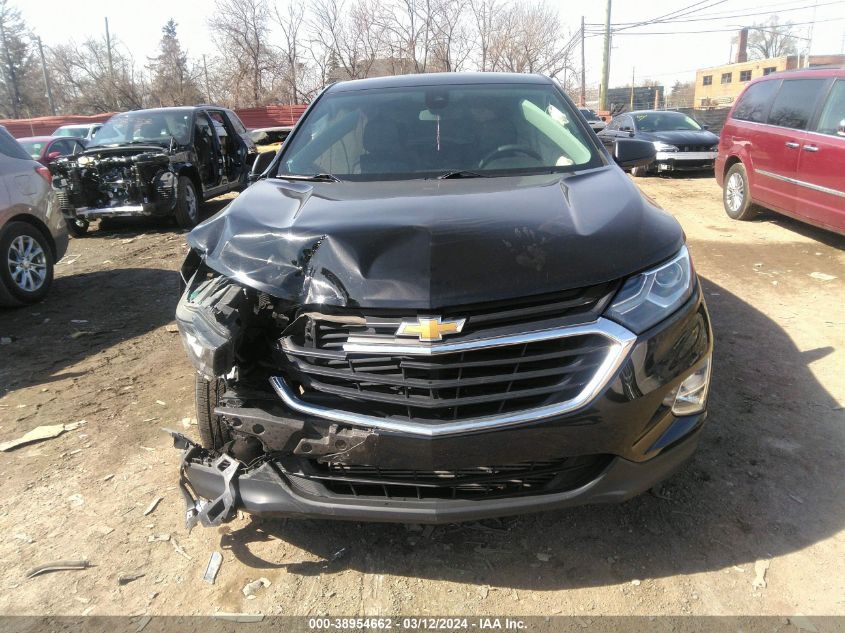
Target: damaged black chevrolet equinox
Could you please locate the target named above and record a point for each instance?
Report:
(441, 300)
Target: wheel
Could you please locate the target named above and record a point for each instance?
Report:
(213, 432)
(26, 263)
(735, 196)
(77, 227)
(639, 172)
(187, 204)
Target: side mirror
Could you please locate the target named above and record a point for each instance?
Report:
(53, 155)
(632, 153)
(260, 165)
(840, 131)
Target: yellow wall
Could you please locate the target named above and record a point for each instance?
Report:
(719, 95)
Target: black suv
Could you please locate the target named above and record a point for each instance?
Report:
(164, 161)
(442, 300)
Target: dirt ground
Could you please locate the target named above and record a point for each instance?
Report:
(753, 525)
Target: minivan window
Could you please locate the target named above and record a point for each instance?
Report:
(10, 147)
(755, 102)
(796, 101)
(834, 110)
(429, 131)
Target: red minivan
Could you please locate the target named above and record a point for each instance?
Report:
(783, 148)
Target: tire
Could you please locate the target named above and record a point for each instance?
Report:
(735, 194)
(187, 204)
(639, 172)
(213, 432)
(26, 264)
(77, 227)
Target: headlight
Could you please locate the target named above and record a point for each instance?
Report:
(664, 147)
(650, 297)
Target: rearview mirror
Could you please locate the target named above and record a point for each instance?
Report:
(260, 165)
(633, 153)
(840, 131)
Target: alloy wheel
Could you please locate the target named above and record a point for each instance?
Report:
(191, 203)
(27, 263)
(735, 192)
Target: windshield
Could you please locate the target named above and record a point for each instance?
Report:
(33, 148)
(589, 114)
(430, 131)
(664, 122)
(71, 131)
(145, 126)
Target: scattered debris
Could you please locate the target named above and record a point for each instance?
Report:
(127, 577)
(79, 321)
(80, 333)
(161, 402)
(107, 477)
(153, 538)
(760, 568)
(636, 582)
(251, 587)
(484, 592)
(171, 327)
(5, 340)
(38, 434)
(822, 276)
(104, 529)
(240, 618)
(76, 500)
(142, 623)
(341, 553)
(152, 505)
(178, 548)
(213, 567)
(58, 565)
(543, 557)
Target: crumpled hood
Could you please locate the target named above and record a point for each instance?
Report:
(681, 137)
(428, 244)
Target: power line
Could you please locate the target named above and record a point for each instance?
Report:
(688, 10)
(725, 30)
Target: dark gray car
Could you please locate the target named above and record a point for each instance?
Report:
(33, 235)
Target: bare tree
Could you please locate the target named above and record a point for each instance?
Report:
(240, 28)
(291, 23)
(22, 86)
(528, 40)
(349, 35)
(486, 15)
(771, 39)
(451, 43)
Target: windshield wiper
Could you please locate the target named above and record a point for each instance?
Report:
(461, 173)
(314, 178)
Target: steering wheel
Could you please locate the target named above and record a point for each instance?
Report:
(509, 150)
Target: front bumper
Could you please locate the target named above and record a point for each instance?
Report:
(685, 161)
(628, 426)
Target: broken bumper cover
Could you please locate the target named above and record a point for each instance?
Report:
(266, 490)
(123, 211)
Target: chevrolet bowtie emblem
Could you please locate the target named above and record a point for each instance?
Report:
(430, 329)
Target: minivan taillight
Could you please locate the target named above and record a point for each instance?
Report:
(44, 173)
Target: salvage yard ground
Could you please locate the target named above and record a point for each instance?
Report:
(753, 525)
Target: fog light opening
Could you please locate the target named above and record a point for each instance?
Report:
(691, 396)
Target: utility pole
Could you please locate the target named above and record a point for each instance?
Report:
(605, 64)
(633, 74)
(583, 70)
(111, 64)
(46, 78)
(207, 91)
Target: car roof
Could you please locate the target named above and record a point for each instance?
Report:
(802, 73)
(652, 112)
(41, 139)
(438, 79)
(61, 127)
